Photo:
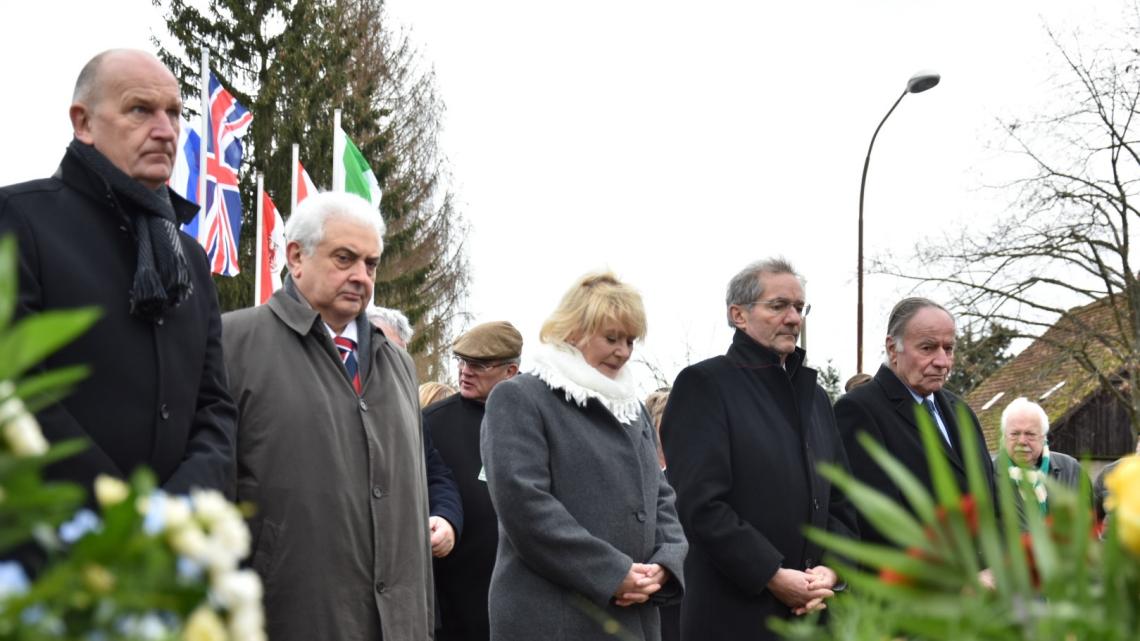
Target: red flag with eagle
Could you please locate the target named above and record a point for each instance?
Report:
(271, 250)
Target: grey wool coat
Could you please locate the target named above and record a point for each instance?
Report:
(340, 534)
(580, 497)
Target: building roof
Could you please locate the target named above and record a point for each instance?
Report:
(1048, 371)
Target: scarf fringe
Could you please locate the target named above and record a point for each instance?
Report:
(562, 367)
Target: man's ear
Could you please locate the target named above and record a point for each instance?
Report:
(738, 316)
(890, 347)
(293, 258)
(512, 369)
(81, 122)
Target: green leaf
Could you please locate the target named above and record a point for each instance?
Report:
(881, 556)
(41, 390)
(945, 488)
(914, 491)
(1019, 567)
(9, 278)
(887, 516)
(980, 489)
(34, 338)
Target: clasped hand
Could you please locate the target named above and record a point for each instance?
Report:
(806, 591)
(642, 580)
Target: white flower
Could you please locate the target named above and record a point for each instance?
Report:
(210, 506)
(232, 535)
(1040, 492)
(204, 625)
(176, 512)
(21, 429)
(239, 588)
(248, 623)
(189, 541)
(110, 491)
(1015, 473)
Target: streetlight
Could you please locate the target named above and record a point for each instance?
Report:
(918, 83)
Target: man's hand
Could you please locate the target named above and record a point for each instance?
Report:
(819, 576)
(642, 580)
(800, 591)
(442, 536)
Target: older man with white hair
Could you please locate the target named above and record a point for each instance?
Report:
(1024, 434)
(330, 447)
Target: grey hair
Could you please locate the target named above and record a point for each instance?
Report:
(307, 225)
(745, 287)
(1021, 404)
(394, 318)
(905, 310)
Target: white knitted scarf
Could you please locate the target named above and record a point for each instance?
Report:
(562, 367)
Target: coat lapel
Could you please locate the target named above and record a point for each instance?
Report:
(900, 396)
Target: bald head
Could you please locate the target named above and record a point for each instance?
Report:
(127, 104)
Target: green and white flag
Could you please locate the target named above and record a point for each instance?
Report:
(351, 172)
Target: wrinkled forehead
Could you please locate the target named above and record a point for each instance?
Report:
(930, 323)
(783, 285)
(132, 74)
(1024, 419)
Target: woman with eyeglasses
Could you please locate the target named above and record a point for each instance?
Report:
(589, 538)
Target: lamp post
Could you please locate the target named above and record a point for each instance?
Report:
(918, 83)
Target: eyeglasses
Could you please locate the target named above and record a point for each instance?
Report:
(780, 306)
(1029, 436)
(479, 367)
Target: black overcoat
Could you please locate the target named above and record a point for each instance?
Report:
(885, 409)
(742, 436)
(157, 393)
(462, 578)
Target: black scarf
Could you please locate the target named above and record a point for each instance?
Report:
(162, 277)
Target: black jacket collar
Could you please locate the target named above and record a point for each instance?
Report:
(746, 352)
(78, 176)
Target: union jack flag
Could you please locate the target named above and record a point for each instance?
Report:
(220, 229)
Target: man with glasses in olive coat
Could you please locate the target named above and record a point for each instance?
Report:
(487, 355)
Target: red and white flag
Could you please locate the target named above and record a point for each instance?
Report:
(270, 248)
(303, 186)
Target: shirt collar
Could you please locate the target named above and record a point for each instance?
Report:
(349, 332)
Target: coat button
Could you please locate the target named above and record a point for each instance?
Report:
(380, 587)
(809, 563)
(158, 321)
(164, 412)
(640, 514)
(363, 406)
(377, 492)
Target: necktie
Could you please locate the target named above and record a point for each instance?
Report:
(932, 409)
(347, 348)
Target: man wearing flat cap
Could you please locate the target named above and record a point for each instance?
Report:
(487, 355)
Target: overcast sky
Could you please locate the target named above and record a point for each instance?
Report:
(670, 142)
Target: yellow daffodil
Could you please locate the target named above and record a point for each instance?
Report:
(1123, 485)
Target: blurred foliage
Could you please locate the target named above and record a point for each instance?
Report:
(1057, 580)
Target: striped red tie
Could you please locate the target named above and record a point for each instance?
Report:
(347, 348)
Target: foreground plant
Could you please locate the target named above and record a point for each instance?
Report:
(958, 572)
(148, 566)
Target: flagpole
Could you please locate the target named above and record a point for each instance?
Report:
(203, 146)
(295, 178)
(259, 242)
(338, 154)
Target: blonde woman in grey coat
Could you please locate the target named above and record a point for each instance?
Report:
(589, 535)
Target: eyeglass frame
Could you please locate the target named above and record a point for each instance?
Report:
(780, 306)
(478, 366)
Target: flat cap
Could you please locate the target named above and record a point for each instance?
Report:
(494, 341)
